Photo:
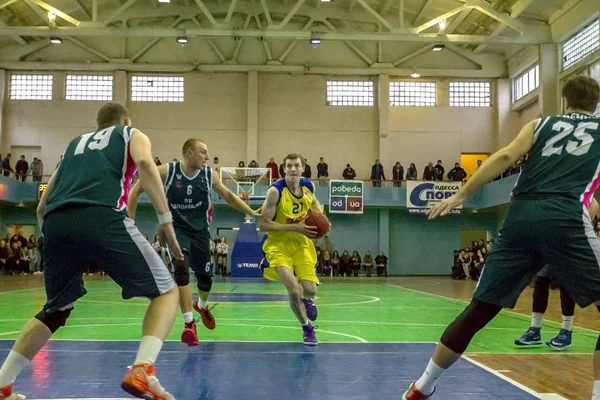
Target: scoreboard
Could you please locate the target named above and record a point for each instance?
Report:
(41, 188)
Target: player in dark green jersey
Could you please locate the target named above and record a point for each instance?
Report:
(547, 223)
(188, 185)
(83, 220)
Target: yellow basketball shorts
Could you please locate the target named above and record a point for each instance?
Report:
(299, 256)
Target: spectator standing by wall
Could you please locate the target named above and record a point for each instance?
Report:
(6, 168)
(398, 174)
(439, 171)
(377, 174)
(37, 169)
(457, 174)
(307, 170)
(272, 165)
(429, 172)
(411, 173)
(22, 167)
(322, 170)
(349, 172)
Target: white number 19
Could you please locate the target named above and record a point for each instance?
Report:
(100, 140)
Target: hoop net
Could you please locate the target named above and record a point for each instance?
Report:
(246, 180)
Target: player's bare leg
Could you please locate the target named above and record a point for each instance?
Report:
(294, 291)
(141, 379)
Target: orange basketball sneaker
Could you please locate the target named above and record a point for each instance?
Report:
(207, 318)
(141, 382)
(6, 393)
(189, 335)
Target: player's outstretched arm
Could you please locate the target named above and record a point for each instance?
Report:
(494, 166)
(231, 198)
(138, 189)
(140, 149)
(269, 209)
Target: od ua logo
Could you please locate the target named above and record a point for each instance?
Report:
(346, 197)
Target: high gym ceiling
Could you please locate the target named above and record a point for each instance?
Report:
(271, 35)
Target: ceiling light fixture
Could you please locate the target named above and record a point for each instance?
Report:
(438, 47)
(56, 40)
(182, 39)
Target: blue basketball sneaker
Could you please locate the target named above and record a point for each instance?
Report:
(533, 337)
(562, 341)
(309, 337)
(311, 309)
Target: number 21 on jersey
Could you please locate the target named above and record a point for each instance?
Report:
(575, 147)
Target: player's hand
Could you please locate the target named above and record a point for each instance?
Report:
(443, 207)
(308, 230)
(257, 212)
(167, 238)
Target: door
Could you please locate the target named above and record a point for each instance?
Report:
(28, 151)
(27, 230)
(467, 237)
(469, 162)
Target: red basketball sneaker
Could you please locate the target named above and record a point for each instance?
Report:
(189, 335)
(6, 393)
(141, 382)
(207, 318)
(413, 394)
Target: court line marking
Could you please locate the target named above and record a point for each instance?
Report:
(504, 310)
(224, 324)
(507, 379)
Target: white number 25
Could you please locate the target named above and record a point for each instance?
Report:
(576, 148)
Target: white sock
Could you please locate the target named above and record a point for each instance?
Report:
(12, 367)
(149, 348)
(567, 322)
(188, 317)
(426, 384)
(596, 393)
(536, 319)
(306, 323)
(202, 303)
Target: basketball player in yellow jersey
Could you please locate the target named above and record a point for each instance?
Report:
(289, 249)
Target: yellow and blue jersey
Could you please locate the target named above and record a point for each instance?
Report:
(292, 209)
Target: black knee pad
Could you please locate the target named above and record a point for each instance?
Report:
(54, 320)
(459, 333)
(182, 272)
(204, 283)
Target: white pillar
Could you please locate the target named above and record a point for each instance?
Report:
(120, 85)
(383, 117)
(252, 126)
(549, 100)
(506, 121)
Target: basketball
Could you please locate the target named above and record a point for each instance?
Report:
(319, 220)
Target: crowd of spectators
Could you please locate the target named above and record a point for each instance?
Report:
(468, 262)
(330, 262)
(20, 256)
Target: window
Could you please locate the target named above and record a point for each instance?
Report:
(157, 88)
(526, 83)
(89, 87)
(470, 94)
(413, 94)
(350, 93)
(31, 87)
(580, 45)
